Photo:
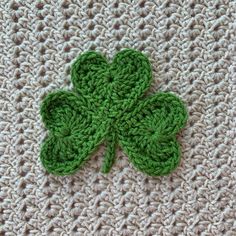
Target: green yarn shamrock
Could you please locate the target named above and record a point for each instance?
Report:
(108, 107)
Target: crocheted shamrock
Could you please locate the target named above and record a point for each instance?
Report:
(108, 107)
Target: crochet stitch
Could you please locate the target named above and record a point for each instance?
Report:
(108, 107)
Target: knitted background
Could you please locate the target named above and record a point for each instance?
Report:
(191, 47)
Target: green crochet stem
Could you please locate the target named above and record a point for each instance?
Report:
(110, 154)
(108, 106)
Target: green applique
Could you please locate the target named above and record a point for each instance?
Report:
(108, 107)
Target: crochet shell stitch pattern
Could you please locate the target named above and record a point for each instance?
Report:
(108, 106)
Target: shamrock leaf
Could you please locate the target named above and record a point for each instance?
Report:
(74, 133)
(108, 106)
(147, 133)
(114, 87)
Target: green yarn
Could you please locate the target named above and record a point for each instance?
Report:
(108, 107)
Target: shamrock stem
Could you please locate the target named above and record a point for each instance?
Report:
(110, 153)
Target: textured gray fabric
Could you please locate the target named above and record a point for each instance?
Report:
(191, 45)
